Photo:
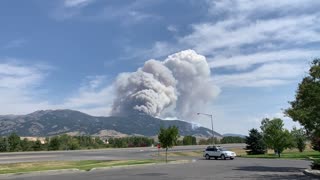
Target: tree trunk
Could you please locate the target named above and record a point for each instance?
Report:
(166, 155)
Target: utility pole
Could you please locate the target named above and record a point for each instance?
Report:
(210, 115)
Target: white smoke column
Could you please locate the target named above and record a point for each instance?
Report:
(149, 90)
(194, 85)
(181, 82)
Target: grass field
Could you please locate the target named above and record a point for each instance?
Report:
(58, 165)
(287, 154)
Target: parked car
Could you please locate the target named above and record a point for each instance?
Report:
(218, 152)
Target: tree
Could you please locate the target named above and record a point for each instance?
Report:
(65, 141)
(37, 146)
(74, 144)
(214, 140)
(54, 143)
(25, 145)
(232, 139)
(4, 144)
(203, 142)
(306, 107)
(14, 142)
(168, 138)
(300, 138)
(275, 136)
(189, 140)
(255, 143)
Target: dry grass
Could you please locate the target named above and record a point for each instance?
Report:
(57, 165)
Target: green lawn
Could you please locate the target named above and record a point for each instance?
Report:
(58, 165)
(288, 155)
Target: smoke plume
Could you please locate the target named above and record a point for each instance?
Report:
(180, 85)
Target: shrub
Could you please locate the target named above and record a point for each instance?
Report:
(315, 164)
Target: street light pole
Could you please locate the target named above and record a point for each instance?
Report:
(211, 125)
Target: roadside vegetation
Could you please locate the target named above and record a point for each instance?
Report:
(277, 142)
(305, 110)
(168, 138)
(85, 165)
(13, 143)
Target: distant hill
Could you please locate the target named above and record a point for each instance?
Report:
(55, 122)
(234, 135)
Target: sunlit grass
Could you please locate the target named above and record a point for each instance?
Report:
(241, 152)
(288, 155)
(58, 165)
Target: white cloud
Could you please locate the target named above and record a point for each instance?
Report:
(127, 14)
(20, 87)
(267, 75)
(19, 76)
(18, 84)
(76, 3)
(172, 28)
(208, 38)
(95, 97)
(247, 34)
(288, 123)
(70, 9)
(256, 9)
(247, 60)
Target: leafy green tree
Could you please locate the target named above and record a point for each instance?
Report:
(14, 142)
(214, 140)
(54, 143)
(120, 142)
(306, 107)
(4, 144)
(25, 145)
(98, 141)
(255, 143)
(275, 136)
(232, 139)
(300, 138)
(189, 140)
(74, 144)
(168, 138)
(179, 142)
(209, 141)
(65, 141)
(37, 145)
(203, 142)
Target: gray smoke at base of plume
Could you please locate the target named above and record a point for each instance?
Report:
(178, 86)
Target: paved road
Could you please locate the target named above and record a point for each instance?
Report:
(102, 154)
(200, 170)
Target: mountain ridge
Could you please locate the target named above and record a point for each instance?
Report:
(54, 122)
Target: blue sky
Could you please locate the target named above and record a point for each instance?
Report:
(67, 53)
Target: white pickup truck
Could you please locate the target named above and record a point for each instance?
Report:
(218, 152)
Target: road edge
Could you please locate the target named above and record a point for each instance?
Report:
(75, 170)
(312, 173)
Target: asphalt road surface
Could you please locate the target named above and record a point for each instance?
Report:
(100, 154)
(200, 169)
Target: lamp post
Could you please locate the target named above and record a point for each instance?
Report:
(210, 115)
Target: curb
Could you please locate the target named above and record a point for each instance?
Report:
(312, 173)
(74, 170)
(137, 165)
(42, 172)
